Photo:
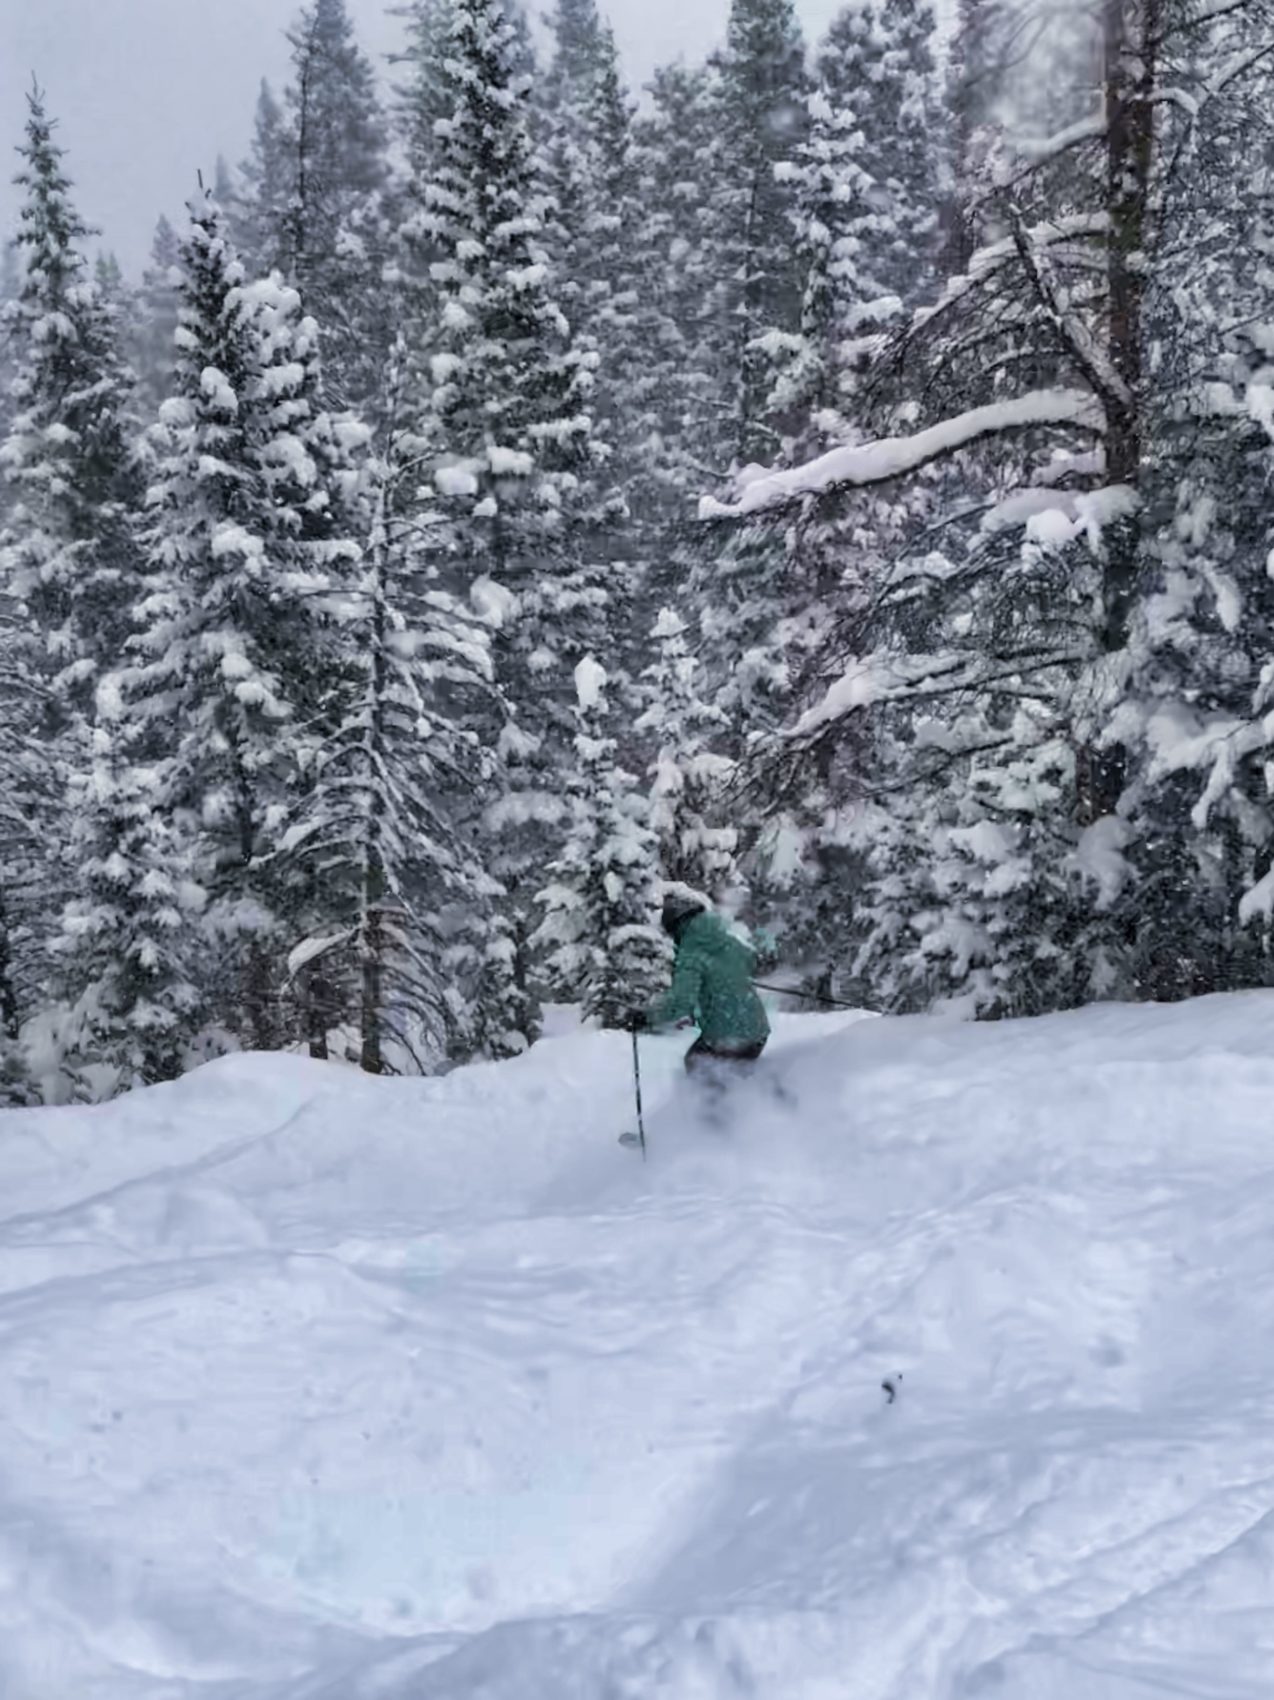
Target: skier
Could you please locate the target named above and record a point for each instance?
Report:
(711, 986)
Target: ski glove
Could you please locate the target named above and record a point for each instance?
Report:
(638, 1021)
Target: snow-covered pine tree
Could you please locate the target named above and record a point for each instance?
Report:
(762, 86)
(600, 930)
(31, 800)
(998, 664)
(1199, 804)
(420, 95)
(689, 775)
(564, 123)
(778, 582)
(129, 939)
(878, 61)
(257, 213)
(71, 560)
(577, 34)
(612, 310)
(10, 287)
(246, 547)
(846, 304)
(157, 317)
(506, 434)
(314, 181)
(382, 829)
(673, 146)
(979, 54)
(767, 587)
(422, 101)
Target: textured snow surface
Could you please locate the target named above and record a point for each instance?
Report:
(319, 1388)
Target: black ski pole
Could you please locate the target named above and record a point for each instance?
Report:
(810, 997)
(641, 1124)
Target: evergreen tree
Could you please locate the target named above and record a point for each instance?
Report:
(605, 950)
(71, 557)
(689, 776)
(315, 178)
(423, 102)
(977, 79)
(259, 214)
(569, 146)
(382, 826)
(245, 540)
(422, 99)
(996, 664)
(31, 800)
(610, 310)
(505, 429)
(128, 942)
(578, 53)
(762, 87)
(765, 586)
(157, 326)
(683, 450)
(10, 288)
(878, 62)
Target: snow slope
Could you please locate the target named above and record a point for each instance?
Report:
(320, 1388)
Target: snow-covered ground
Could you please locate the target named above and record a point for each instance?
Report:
(320, 1388)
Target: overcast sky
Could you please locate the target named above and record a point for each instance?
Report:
(147, 92)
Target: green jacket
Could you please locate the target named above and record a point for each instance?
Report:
(712, 985)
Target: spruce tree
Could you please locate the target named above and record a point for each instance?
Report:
(761, 103)
(245, 540)
(32, 798)
(315, 179)
(382, 827)
(422, 103)
(567, 146)
(878, 61)
(129, 939)
(258, 215)
(506, 431)
(10, 287)
(71, 557)
(977, 78)
(604, 948)
(684, 451)
(157, 327)
(1024, 761)
(689, 775)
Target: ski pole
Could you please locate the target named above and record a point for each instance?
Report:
(641, 1125)
(811, 997)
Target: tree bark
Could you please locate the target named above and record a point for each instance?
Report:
(1132, 29)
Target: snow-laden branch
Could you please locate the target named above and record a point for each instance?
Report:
(1202, 20)
(986, 265)
(887, 676)
(1092, 360)
(1032, 152)
(892, 457)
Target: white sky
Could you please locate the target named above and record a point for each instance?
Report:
(148, 92)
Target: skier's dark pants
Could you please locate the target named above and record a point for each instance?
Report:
(703, 1059)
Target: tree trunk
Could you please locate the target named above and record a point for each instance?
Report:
(372, 941)
(372, 1057)
(1131, 34)
(10, 1019)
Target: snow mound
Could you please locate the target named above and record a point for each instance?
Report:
(320, 1388)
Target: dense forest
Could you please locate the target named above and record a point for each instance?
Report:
(837, 481)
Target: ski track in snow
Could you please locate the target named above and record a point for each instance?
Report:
(320, 1388)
